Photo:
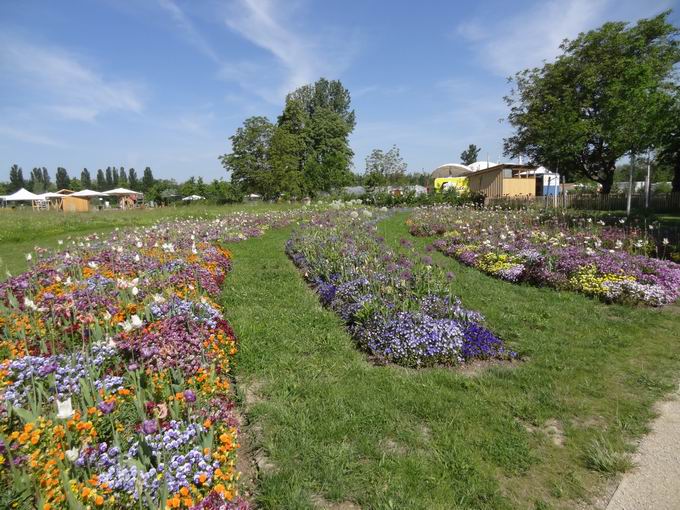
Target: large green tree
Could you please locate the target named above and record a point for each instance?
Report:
(85, 179)
(133, 180)
(16, 179)
(603, 98)
(324, 94)
(101, 180)
(248, 161)
(62, 179)
(147, 179)
(288, 149)
(669, 147)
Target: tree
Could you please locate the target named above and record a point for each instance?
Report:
(469, 155)
(36, 182)
(101, 180)
(328, 95)
(16, 179)
(122, 178)
(62, 178)
(248, 162)
(287, 151)
(147, 179)
(109, 178)
(602, 99)
(46, 179)
(85, 179)
(385, 167)
(133, 180)
(115, 178)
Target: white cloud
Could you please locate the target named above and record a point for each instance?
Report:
(304, 59)
(534, 35)
(74, 90)
(32, 138)
(188, 30)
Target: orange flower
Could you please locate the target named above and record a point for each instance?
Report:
(99, 500)
(202, 478)
(184, 491)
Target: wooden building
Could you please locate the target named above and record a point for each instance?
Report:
(504, 180)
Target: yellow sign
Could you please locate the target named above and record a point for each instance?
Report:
(460, 183)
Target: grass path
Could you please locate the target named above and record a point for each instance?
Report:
(543, 435)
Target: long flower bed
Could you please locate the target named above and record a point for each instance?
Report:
(398, 306)
(114, 371)
(609, 262)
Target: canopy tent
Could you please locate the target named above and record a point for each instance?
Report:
(88, 193)
(22, 195)
(193, 197)
(49, 194)
(122, 192)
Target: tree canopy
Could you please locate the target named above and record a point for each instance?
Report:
(603, 98)
(469, 155)
(384, 167)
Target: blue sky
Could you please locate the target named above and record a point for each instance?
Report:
(164, 83)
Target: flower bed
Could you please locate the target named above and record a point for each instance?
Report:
(607, 262)
(398, 306)
(114, 371)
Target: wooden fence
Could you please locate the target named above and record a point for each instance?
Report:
(658, 203)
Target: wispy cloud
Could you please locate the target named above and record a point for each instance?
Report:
(535, 34)
(71, 89)
(30, 137)
(189, 30)
(265, 23)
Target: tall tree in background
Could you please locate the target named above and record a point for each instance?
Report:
(287, 151)
(85, 179)
(62, 178)
(122, 178)
(327, 95)
(46, 179)
(101, 180)
(384, 167)
(147, 179)
(109, 178)
(114, 177)
(603, 98)
(36, 182)
(16, 179)
(469, 155)
(133, 180)
(249, 160)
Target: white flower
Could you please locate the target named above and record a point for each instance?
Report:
(60, 242)
(590, 251)
(107, 316)
(29, 256)
(64, 409)
(135, 291)
(665, 241)
(354, 214)
(72, 454)
(622, 221)
(29, 303)
(651, 227)
(139, 244)
(158, 298)
(92, 264)
(67, 256)
(193, 249)
(137, 258)
(168, 247)
(618, 245)
(136, 321)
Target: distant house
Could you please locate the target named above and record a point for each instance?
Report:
(504, 180)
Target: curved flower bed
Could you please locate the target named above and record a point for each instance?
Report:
(606, 262)
(397, 306)
(114, 372)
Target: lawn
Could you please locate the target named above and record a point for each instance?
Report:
(327, 426)
(544, 434)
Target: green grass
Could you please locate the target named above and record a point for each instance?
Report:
(335, 426)
(22, 229)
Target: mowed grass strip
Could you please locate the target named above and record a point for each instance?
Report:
(542, 434)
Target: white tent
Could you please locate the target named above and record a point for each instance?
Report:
(88, 193)
(193, 197)
(481, 165)
(451, 170)
(49, 194)
(122, 192)
(23, 195)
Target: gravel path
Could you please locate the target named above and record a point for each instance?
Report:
(654, 483)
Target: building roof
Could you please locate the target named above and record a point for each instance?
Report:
(503, 166)
(451, 170)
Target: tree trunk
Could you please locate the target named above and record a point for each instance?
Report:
(606, 178)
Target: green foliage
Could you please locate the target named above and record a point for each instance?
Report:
(101, 180)
(122, 178)
(62, 179)
(147, 179)
(39, 182)
(469, 155)
(605, 97)
(85, 179)
(16, 179)
(133, 180)
(384, 168)
(669, 148)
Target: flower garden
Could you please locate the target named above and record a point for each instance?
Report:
(610, 262)
(115, 384)
(397, 306)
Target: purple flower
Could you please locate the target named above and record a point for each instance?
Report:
(190, 396)
(149, 427)
(106, 407)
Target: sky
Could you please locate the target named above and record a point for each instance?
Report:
(164, 83)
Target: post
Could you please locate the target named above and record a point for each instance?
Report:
(648, 181)
(630, 185)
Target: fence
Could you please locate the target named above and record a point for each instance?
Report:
(658, 203)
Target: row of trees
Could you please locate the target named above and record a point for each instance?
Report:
(306, 151)
(39, 180)
(612, 93)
